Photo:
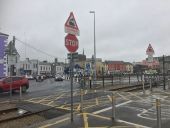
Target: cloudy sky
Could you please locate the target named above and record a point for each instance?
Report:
(124, 28)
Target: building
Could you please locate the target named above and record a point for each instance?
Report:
(166, 63)
(57, 67)
(44, 68)
(29, 67)
(13, 59)
(89, 66)
(151, 63)
(3, 56)
(129, 67)
(116, 67)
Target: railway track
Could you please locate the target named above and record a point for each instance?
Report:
(12, 118)
(131, 88)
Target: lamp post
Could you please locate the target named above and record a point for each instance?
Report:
(93, 12)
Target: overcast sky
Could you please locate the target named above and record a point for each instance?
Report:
(124, 28)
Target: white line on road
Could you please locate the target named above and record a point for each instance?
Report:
(138, 125)
(106, 109)
(122, 96)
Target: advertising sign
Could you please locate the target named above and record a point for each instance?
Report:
(3, 42)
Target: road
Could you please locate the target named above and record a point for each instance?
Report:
(40, 89)
(134, 109)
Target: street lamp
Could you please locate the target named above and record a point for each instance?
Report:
(93, 12)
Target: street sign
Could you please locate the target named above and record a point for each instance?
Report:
(71, 25)
(88, 66)
(71, 43)
(74, 55)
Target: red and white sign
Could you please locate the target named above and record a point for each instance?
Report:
(71, 43)
(71, 25)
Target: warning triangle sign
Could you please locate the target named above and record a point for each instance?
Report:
(71, 25)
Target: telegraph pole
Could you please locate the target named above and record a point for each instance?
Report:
(164, 72)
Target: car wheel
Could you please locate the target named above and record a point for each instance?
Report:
(1, 90)
(24, 88)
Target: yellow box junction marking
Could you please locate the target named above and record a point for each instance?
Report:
(57, 122)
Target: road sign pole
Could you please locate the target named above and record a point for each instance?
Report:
(20, 93)
(10, 88)
(150, 82)
(71, 76)
(143, 83)
(113, 107)
(158, 109)
(81, 100)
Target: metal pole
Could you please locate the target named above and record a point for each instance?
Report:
(150, 82)
(20, 93)
(129, 78)
(112, 79)
(113, 107)
(158, 109)
(71, 76)
(94, 48)
(81, 100)
(143, 83)
(164, 71)
(103, 76)
(10, 88)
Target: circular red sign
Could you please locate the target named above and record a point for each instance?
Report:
(71, 43)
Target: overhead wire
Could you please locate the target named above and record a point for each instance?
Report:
(36, 49)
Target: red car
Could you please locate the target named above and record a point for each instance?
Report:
(15, 82)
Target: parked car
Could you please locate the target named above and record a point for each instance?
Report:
(14, 82)
(29, 77)
(58, 78)
(39, 78)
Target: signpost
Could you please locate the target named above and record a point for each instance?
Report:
(71, 25)
(72, 44)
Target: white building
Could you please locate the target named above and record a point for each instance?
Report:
(44, 68)
(59, 69)
(29, 67)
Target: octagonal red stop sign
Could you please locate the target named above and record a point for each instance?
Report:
(71, 43)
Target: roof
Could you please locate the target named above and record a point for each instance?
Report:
(114, 62)
(150, 50)
(3, 34)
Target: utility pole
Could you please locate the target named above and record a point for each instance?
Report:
(164, 72)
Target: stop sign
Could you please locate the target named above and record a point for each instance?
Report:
(71, 43)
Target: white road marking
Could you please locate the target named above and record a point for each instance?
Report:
(135, 96)
(138, 125)
(106, 109)
(122, 96)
